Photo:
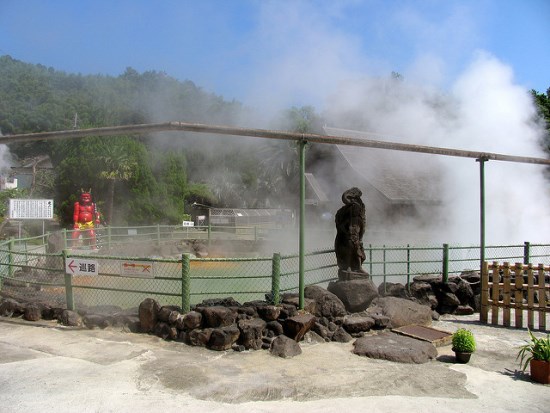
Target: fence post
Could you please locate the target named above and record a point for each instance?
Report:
(384, 266)
(370, 259)
(445, 263)
(526, 252)
(158, 234)
(276, 278)
(483, 314)
(408, 268)
(68, 284)
(11, 259)
(65, 244)
(109, 237)
(185, 284)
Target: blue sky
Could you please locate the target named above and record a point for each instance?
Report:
(286, 52)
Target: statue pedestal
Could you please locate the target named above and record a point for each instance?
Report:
(344, 275)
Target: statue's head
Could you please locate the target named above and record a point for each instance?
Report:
(86, 197)
(351, 195)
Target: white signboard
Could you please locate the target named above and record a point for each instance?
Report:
(136, 268)
(188, 224)
(31, 208)
(77, 266)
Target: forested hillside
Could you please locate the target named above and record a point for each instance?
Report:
(146, 178)
(154, 178)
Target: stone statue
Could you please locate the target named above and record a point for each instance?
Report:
(350, 227)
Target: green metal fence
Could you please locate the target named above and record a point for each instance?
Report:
(28, 272)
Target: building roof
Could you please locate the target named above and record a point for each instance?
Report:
(403, 177)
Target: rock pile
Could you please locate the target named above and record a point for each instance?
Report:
(461, 295)
(223, 324)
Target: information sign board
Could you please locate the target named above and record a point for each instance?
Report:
(31, 209)
(76, 266)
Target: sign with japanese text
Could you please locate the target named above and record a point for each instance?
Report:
(31, 209)
(76, 266)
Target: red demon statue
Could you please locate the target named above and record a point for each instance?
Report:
(85, 217)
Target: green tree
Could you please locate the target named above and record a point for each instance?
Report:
(118, 163)
(542, 100)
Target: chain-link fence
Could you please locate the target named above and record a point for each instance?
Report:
(85, 278)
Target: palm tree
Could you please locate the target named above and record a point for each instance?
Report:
(118, 164)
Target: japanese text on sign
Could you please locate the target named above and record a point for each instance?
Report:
(31, 208)
(76, 266)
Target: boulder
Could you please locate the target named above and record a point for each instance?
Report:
(356, 295)
(223, 338)
(464, 292)
(148, 313)
(322, 331)
(464, 310)
(328, 304)
(268, 312)
(96, 320)
(71, 319)
(393, 289)
(294, 300)
(251, 332)
(275, 327)
(358, 324)
(218, 316)
(165, 331)
(199, 338)
(394, 347)
(402, 312)
(341, 335)
(285, 347)
(32, 312)
(296, 327)
(192, 320)
(11, 308)
(219, 302)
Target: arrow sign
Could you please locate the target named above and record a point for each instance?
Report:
(136, 269)
(75, 266)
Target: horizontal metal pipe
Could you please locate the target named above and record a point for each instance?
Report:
(268, 134)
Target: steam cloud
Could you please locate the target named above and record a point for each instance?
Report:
(307, 60)
(483, 111)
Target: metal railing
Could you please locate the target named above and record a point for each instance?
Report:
(29, 272)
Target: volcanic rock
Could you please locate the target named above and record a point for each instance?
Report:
(395, 347)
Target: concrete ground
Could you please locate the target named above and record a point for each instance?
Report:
(48, 368)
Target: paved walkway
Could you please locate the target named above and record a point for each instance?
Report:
(47, 368)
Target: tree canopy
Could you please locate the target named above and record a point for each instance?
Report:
(155, 178)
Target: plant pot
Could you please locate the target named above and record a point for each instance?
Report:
(540, 371)
(462, 356)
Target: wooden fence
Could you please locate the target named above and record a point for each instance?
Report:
(522, 288)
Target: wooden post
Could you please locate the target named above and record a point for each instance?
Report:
(495, 293)
(542, 299)
(530, 298)
(518, 295)
(506, 296)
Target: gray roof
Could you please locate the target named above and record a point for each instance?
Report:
(399, 176)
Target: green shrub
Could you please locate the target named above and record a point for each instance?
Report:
(463, 341)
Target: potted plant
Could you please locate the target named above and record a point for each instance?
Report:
(536, 353)
(464, 345)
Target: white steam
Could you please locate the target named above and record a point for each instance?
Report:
(484, 111)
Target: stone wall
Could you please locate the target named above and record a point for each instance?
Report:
(224, 324)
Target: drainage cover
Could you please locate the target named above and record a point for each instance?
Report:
(437, 337)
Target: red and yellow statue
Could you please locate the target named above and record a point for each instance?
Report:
(85, 217)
